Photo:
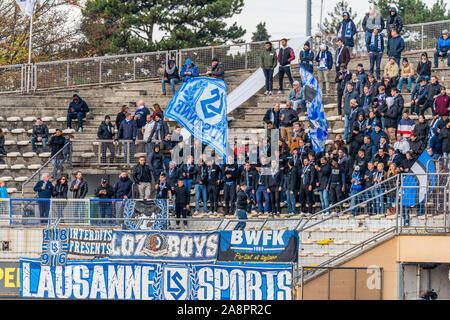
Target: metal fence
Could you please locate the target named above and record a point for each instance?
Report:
(343, 283)
(110, 212)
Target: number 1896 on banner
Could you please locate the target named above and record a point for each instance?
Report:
(54, 247)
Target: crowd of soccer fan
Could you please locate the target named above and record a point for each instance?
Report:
(380, 139)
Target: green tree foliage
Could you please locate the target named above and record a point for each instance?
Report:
(261, 33)
(414, 11)
(127, 26)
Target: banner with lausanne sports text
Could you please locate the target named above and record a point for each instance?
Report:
(101, 279)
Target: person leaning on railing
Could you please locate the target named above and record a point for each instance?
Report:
(104, 192)
(60, 192)
(44, 189)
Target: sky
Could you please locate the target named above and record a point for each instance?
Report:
(287, 18)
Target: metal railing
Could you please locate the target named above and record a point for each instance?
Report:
(56, 161)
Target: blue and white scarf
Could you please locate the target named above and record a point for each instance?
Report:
(348, 29)
(375, 44)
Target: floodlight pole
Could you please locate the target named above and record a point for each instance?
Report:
(308, 18)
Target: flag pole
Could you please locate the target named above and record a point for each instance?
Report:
(29, 82)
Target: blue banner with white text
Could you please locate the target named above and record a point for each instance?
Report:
(102, 279)
(165, 246)
(270, 246)
(318, 124)
(200, 105)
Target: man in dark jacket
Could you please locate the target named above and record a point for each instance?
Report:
(159, 131)
(273, 115)
(170, 76)
(419, 96)
(350, 95)
(274, 179)
(77, 110)
(200, 181)
(342, 55)
(347, 30)
(217, 69)
(79, 188)
(288, 117)
(433, 91)
(395, 47)
(44, 188)
(342, 77)
(307, 182)
(242, 202)
(128, 132)
(123, 190)
(142, 176)
(156, 162)
(57, 143)
(336, 182)
(140, 116)
(268, 63)
(393, 22)
(213, 172)
(444, 137)
(306, 58)
(106, 132)
(39, 134)
(285, 56)
(182, 197)
(230, 173)
(105, 193)
(323, 171)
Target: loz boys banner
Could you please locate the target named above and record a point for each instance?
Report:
(102, 279)
(165, 246)
(273, 246)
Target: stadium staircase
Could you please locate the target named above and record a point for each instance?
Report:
(323, 238)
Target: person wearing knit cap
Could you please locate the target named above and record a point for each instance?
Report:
(324, 61)
(347, 30)
(443, 48)
(306, 58)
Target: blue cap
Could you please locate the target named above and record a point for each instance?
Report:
(188, 61)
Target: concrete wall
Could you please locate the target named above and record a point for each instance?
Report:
(424, 249)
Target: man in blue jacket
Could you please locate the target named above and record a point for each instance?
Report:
(127, 132)
(443, 48)
(44, 188)
(77, 110)
(347, 31)
(188, 71)
(396, 45)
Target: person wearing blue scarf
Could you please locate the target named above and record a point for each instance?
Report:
(347, 31)
(375, 47)
(324, 61)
